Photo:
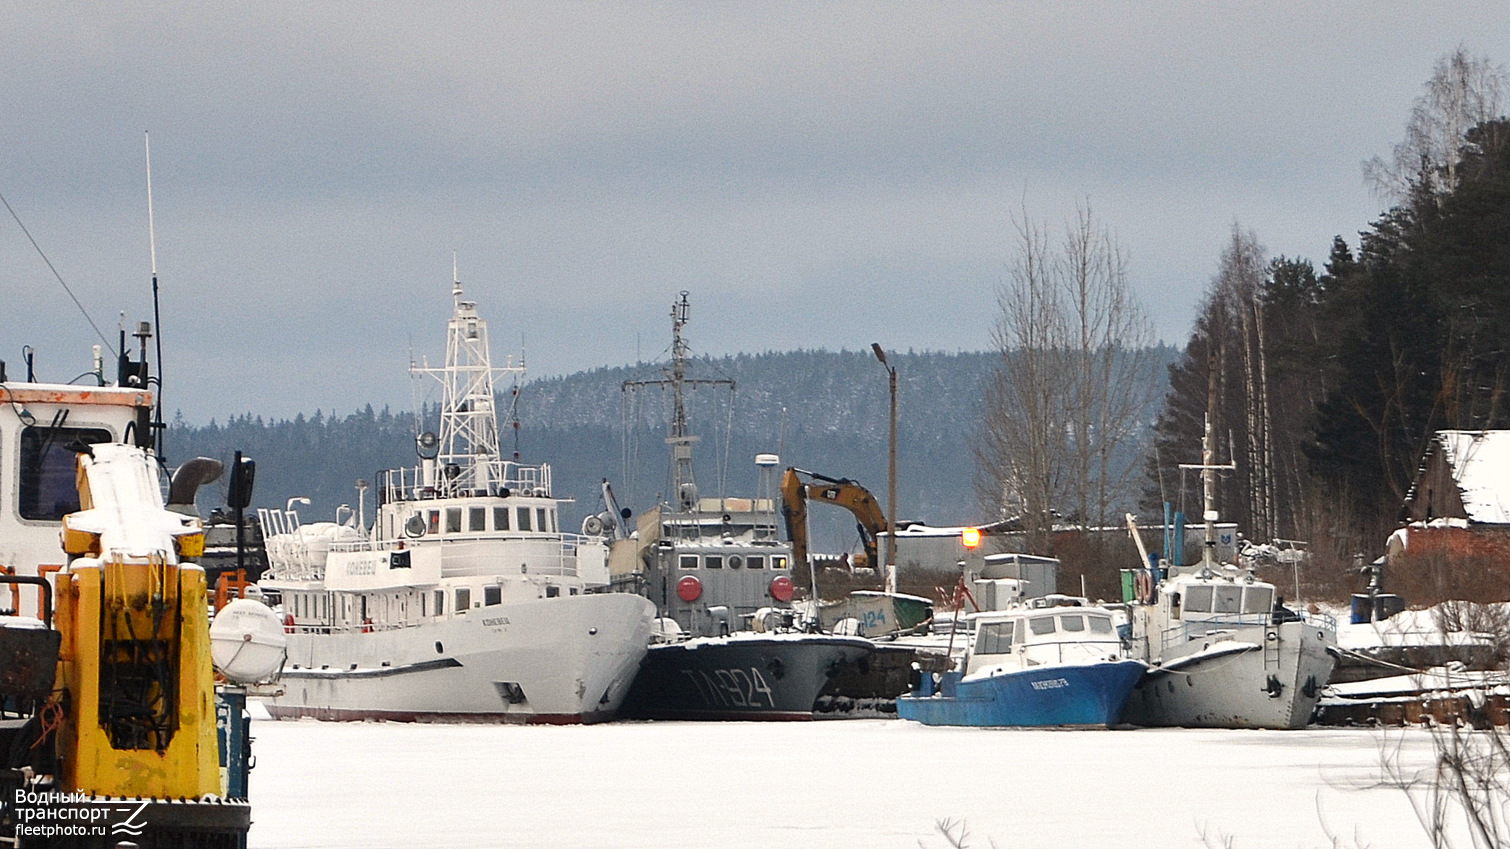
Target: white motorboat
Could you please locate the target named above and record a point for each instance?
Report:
(464, 600)
(1222, 652)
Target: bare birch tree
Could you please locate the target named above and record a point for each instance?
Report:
(1068, 390)
(1463, 92)
(1021, 447)
(1108, 342)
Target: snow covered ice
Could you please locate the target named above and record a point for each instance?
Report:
(855, 783)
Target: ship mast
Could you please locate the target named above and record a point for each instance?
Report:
(1208, 469)
(683, 483)
(468, 446)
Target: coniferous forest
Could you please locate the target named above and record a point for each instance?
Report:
(1324, 385)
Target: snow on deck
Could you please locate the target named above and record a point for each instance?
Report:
(855, 783)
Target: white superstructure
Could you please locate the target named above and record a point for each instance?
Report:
(464, 600)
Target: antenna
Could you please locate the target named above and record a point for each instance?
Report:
(157, 319)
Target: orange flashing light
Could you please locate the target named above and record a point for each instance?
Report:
(970, 537)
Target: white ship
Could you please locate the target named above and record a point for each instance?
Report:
(464, 600)
(1221, 652)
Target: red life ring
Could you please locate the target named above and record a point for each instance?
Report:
(288, 623)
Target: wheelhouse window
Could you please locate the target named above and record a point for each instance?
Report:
(994, 638)
(1258, 599)
(1228, 599)
(687, 561)
(500, 518)
(1074, 623)
(540, 523)
(524, 518)
(778, 562)
(49, 487)
(1198, 599)
(477, 519)
(440, 602)
(1099, 624)
(492, 595)
(432, 518)
(713, 561)
(453, 520)
(463, 599)
(1041, 625)
(755, 561)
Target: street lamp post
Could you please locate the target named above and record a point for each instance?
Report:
(891, 474)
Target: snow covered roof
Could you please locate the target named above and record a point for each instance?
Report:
(1480, 464)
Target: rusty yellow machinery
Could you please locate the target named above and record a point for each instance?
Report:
(799, 486)
(125, 744)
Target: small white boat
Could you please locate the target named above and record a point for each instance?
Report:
(464, 600)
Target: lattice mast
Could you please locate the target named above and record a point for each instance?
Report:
(683, 483)
(469, 456)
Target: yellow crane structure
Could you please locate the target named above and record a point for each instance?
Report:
(799, 486)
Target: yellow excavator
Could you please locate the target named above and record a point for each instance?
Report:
(799, 486)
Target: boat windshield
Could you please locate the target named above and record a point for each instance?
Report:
(1041, 625)
(994, 638)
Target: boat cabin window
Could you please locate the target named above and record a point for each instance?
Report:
(540, 523)
(1228, 599)
(994, 638)
(463, 599)
(687, 561)
(440, 602)
(1258, 599)
(49, 487)
(524, 518)
(755, 561)
(1074, 623)
(500, 518)
(713, 561)
(477, 519)
(1198, 598)
(552, 591)
(492, 595)
(1099, 624)
(432, 518)
(1041, 625)
(778, 562)
(453, 520)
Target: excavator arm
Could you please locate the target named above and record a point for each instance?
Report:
(841, 492)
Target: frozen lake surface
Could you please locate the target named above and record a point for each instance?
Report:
(852, 784)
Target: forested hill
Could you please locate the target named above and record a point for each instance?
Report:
(821, 410)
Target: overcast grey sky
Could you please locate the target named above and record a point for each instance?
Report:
(817, 175)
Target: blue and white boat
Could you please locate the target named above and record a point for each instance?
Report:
(1032, 666)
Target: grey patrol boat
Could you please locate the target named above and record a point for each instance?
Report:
(728, 645)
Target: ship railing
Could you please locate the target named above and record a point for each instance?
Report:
(1230, 623)
(549, 554)
(284, 544)
(543, 554)
(487, 477)
(1068, 651)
